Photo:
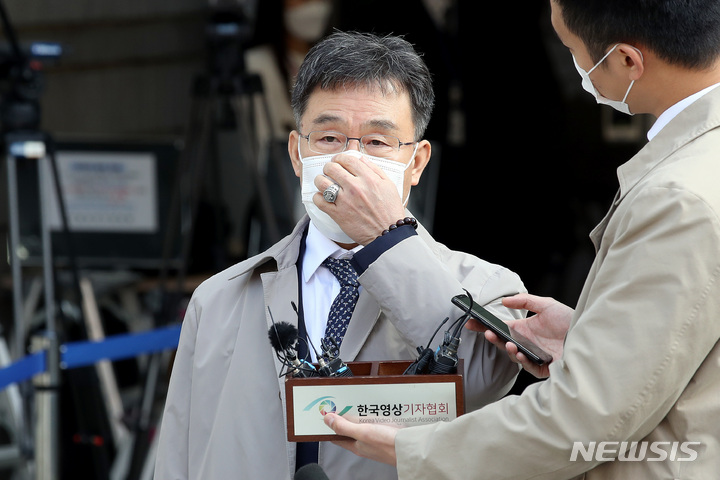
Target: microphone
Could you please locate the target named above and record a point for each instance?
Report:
(311, 471)
(426, 357)
(444, 359)
(283, 337)
(330, 363)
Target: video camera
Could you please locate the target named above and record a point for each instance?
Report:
(20, 79)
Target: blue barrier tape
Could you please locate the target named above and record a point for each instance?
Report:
(78, 354)
(26, 367)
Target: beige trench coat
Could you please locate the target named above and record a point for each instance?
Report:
(225, 415)
(641, 360)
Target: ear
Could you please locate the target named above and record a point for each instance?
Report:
(633, 59)
(422, 157)
(293, 140)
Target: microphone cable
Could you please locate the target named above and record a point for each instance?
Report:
(420, 365)
(283, 337)
(444, 359)
(329, 363)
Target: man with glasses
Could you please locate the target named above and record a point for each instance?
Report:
(361, 104)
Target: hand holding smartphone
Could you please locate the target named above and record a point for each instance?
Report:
(536, 354)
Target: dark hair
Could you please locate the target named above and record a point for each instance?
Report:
(364, 59)
(681, 32)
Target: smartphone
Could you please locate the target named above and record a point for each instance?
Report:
(530, 350)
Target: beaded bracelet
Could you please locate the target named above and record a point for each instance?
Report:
(405, 221)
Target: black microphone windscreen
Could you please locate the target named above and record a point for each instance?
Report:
(282, 335)
(311, 471)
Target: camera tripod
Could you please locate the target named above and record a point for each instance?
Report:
(224, 98)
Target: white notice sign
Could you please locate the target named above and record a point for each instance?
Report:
(106, 192)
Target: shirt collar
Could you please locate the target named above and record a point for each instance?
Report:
(317, 248)
(672, 112)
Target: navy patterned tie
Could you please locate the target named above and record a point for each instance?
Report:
(344, 304)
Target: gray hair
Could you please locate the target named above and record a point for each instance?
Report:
(366, 60)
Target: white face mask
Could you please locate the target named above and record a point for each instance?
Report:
(587, 84)
(313, 166)
(308, 21)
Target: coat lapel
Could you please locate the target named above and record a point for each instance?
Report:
(280, 291)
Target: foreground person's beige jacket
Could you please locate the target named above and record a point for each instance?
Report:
(641, 360)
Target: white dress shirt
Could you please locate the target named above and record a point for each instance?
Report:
(320, 287)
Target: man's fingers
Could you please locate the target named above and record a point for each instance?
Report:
(525, 301)
(354, 164)
(341, 170)
(340, 425)
(322, 182)
(373, 441)
(518, 302)
(492, 337)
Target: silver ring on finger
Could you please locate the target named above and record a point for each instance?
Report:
(330, 193)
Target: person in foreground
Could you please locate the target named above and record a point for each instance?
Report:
(632, 391)
(361, 105)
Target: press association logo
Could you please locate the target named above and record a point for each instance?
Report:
(326, 405)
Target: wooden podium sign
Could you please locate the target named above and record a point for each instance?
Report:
(378, 392)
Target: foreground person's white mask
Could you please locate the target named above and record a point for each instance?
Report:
(313, 166)
(588, 86)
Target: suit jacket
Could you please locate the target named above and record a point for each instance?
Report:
(225, 414)
(641, 358)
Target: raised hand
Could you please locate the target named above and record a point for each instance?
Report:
(546, 329)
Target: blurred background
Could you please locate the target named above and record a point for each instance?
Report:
(162, 129)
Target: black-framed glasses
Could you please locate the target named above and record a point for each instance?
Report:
(375, 144)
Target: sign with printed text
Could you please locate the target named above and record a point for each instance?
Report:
(376, 392)
(105, 192)
(406, 404)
